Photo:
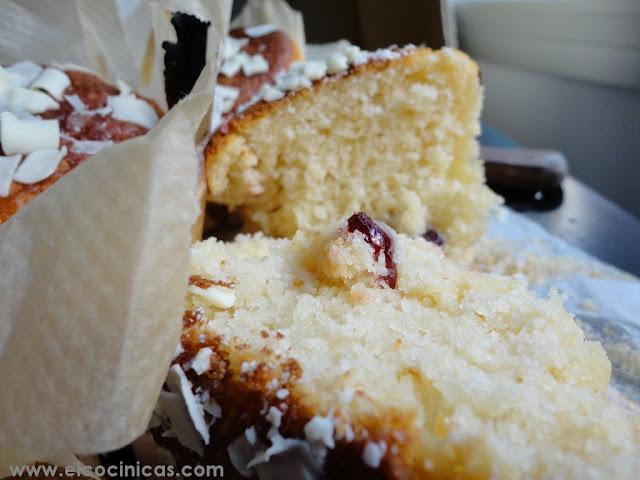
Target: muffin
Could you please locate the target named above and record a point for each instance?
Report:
(252, 57)
(362, 353)
(391, 132)
(52, 120)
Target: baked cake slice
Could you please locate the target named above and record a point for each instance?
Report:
(390, 132)
(360, 353)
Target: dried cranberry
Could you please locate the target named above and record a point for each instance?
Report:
(433, 236)
(380, 240)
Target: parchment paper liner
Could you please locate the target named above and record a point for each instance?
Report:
(93, 271)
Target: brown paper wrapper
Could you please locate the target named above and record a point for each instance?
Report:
(93, 271)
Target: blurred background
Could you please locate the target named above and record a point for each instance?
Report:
(558, 74)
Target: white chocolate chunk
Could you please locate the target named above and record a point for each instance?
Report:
(129, 108)
(315, 70)
(26, 136)
(178, 383)
(282, 393)
(233, 45)
(336, 63)
(270, 93)
(320, 430)
(202, 361)
(290, 81)
(172, 409)
(76, 103)
(17, 99)
(225, 97)
(52, 81)
(373, 453)
(260, 30)
(39, 165)
(235, 60)
(254, 65)
(218, 296)
(8, 167)
(351, 52)
(124, 87)
(231, 66)
(23, 74)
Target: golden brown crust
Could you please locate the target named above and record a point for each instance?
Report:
(239, 122)
(245, 397)
(93, 92)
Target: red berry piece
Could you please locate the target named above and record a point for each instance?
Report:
(376, 236)
(433, 236)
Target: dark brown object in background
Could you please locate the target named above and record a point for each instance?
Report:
(185, 59)
(528, 179)
(370, 24)
(524, 168)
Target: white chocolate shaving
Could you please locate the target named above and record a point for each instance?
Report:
(129, 108)
(26, 136)
(39, 165)
(270, 93)
(225, 97)
(254, 65)
(233, 45)
(178, 383)
(351, 52)
(172, 409)
(17, 99)
(8, 167)
(315, 70)
(373, 453)
(218, 296)
(231, 66)
(302, 74)
(235, 60)
(260, 30)
(202, 361)
(320, 430)
(76, 102)
(123, 87)
(52, 81)
(337, 62)
(282, 393)
(23, 74)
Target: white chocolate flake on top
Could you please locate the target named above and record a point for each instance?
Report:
(28, 89)
(39, 165)
(130, 108)
(52, 81)
(23, 73)
(28, 135)
(218, 296)
(234, 59)
(301, 75)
